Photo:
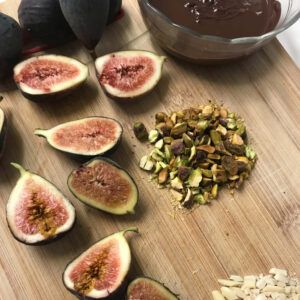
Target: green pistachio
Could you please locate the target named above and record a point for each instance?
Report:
(153, 136)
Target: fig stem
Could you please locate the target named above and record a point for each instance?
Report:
(40, 132)
(132, 229)
(93, 54)
(19, 167)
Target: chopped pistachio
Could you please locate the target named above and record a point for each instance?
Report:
(146, 163)
(177, 147)
(153, 136)
(202, 125)
(207, 148)
(234, 149)
(179, 129)
(140, 131)
(187, 140)
(223, 112)
(208, 110)
(195, 178)
(184, 172)
(215, 137)
(198, 150)
(174, 118)
(214, 156)
(163, 129)
(177, 195)
(168, 152)
(237, 140)
(158, 168)
(168, 140)
(214, 191)
(199, 199)
(250, 153)
(193, 153)
(161, 117)
(207, 173)
(176, 183)
(221, 129)
(159, 144)
(188, 200)
(163, 176)
(173, 174)
(231, 123)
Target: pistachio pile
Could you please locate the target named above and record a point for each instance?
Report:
(277, 285)
(196, 151)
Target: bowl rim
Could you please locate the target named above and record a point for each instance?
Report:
(241, 40)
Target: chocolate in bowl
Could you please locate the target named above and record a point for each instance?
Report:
(212, 31)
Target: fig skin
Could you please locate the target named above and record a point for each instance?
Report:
(151, 280)
(46, 241)
(114, 8)
(43, 20)
(120, 291)
(87, 18)
(42, 96)
(133, 95)
(82, 156)
(3, 132)
(113, 163)
(10, 44)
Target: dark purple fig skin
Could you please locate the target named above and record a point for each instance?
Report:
(3, 135)
(10, 44)
(114, 8)
(145, 277)
(87, 18)
(43, 19)
(51, 97)
(49, 240)
(108, 160)
(46, 241)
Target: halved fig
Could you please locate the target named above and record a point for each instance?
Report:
(100, 271)
(87, 137)
(3, 130)
(49, 76)
(148, 289)
(104, 185)
(129, 74)
(37, 212)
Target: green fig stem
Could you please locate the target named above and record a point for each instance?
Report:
(20, 168)
(130, 229)
(40, 132)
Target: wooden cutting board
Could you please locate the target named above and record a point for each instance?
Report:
(256, 229)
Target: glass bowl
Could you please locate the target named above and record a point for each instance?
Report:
(206, 49)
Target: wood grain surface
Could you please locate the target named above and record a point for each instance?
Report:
(256, 229)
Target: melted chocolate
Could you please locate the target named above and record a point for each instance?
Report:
(225, 18)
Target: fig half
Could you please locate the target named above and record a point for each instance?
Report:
(3, 131)
(129, 74)
(102, 184)
(37, 212)
(49, 76)
(87, 137)
(100, 271)
(148, 289)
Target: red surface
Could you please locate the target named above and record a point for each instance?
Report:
(107, 258)
(43, 74)
(127, 73)
(92, 135)
(55, 204)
